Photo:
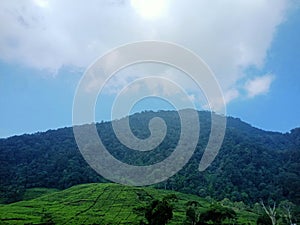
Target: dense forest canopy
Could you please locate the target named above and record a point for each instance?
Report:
(252, 164)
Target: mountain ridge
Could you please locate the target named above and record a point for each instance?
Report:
(145, 111)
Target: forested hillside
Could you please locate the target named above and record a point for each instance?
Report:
(252, 164)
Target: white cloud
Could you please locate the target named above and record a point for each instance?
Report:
(231, 95)
(229, 35)
(192, 98)
(259, 85)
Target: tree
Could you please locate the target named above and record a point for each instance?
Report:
(217, 214)
(271, 212)
(192, 215)
(286, 211)
(264, 220)
(159, 212)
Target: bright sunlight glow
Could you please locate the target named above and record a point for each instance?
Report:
(42, 3)
(149, 9)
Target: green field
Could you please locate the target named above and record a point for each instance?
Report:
(99, 204)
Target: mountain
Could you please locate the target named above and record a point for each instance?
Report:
(105, 204)
(252, 164)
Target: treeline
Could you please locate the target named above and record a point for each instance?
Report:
(252, 164)
(160, 211)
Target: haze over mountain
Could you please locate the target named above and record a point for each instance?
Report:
(252, 164)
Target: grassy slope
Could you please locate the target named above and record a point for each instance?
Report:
(98, 204)
(33, 193)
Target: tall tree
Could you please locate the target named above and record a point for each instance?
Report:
(192, 214)
(270, 211)
(286, 210)
(159, 212)
(217, 214)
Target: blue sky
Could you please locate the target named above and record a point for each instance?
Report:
(45, 47)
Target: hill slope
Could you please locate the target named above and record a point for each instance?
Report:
(252, 164)
(100, 204)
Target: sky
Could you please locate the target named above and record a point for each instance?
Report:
(252, 46)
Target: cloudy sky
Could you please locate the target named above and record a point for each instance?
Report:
(252, 46)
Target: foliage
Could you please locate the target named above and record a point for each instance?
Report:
(46, 218)
(159, 212)
(192, 212)
(264, 220)
(252, 164)
(217, 214)
(284, 214)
